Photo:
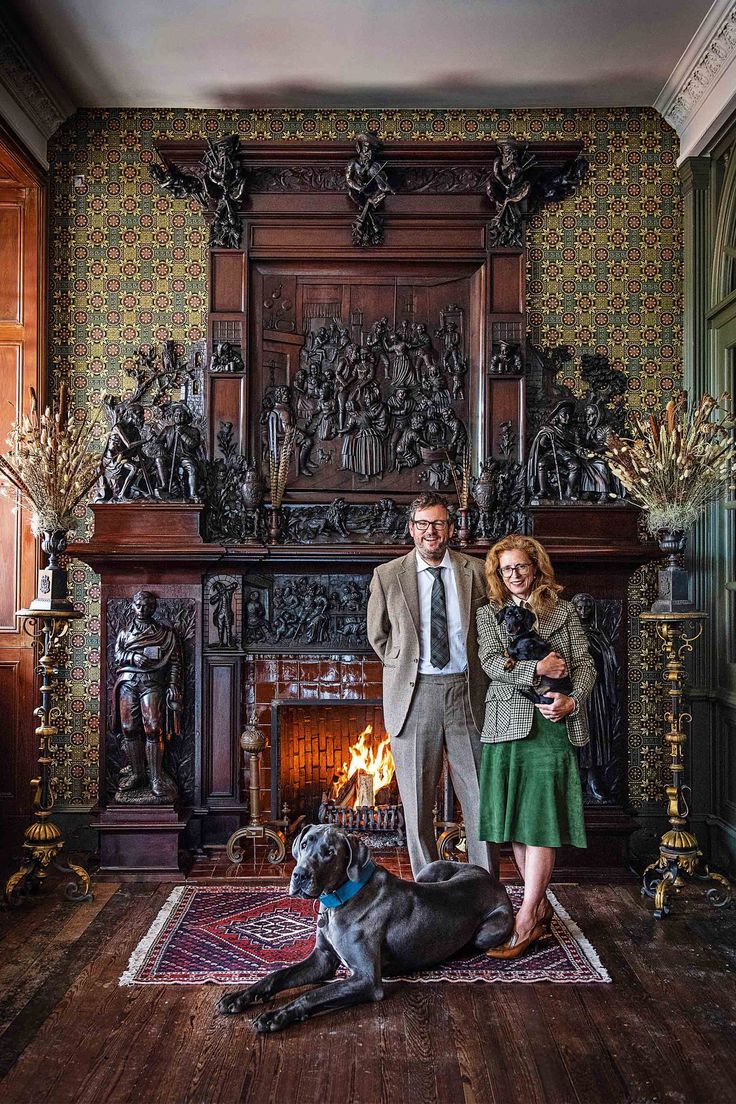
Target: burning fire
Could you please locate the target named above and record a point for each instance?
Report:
(370, 769)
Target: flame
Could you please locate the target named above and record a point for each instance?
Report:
(376, 761)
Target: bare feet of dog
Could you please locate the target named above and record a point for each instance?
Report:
(234, 1003)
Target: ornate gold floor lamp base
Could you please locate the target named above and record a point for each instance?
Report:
(680, 859)
(43, 839)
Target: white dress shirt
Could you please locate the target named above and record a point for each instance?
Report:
(425, 580)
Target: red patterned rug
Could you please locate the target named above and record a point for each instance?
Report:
(234, 935)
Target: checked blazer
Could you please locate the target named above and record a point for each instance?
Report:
(509, 714)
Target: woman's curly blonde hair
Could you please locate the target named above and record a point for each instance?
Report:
(543, 597)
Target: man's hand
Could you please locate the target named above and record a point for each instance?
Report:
(553, 666)
(562, 706)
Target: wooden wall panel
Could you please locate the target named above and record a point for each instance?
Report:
(11, 268)
(22, 320)
(228, 281)
(507, 283)
(10, 380)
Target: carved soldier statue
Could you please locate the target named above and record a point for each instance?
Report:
(221, 599)
(147, 699)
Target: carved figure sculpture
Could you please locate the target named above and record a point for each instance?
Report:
(368, 187)
(507, 189)
(147, 698)
(123, 474)
(178, 455)
(221, 598)
(555, 462)
(506, 359)
(603, 704)
(256, 620)
(226, 358)
(222, 182)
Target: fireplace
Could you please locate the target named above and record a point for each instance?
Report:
(310, 742)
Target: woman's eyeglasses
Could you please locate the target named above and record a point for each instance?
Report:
(515, 569)
(423, 526)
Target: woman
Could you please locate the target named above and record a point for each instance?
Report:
(529, 782)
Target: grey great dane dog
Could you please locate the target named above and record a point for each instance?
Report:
(375, 924)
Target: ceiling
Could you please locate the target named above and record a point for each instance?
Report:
(361, 53)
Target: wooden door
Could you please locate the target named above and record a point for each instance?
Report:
(22, 319)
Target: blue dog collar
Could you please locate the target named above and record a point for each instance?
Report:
(348, 889)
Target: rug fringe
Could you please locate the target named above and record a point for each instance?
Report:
(138, 956)
(585, 945)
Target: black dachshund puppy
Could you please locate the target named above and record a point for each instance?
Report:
(526, 643)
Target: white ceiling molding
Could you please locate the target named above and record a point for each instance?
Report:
(31, 102)
(700, 93)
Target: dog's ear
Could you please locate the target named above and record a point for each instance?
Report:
(298, 841)
(358, 857)
(501, 615)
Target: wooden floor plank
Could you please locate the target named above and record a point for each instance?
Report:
(664, 1032)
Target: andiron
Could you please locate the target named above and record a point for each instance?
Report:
(680, 859)
(43, 839)
(252, 741)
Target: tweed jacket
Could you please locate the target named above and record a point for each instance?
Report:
(393, 632)
(509, 714)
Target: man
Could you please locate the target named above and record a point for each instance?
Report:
(421, 623)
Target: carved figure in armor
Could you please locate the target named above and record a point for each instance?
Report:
(177, 452)
(368, 187)
(255, 616)
(366, 425)
(221, 598)
(123, 472)
(603, 705)
(506, 360)
(401, 405)
(403, 373)
(555, 462)
(507, 189)
(147, 700)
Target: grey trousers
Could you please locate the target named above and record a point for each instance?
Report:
(439, 718)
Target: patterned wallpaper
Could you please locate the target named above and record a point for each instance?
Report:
(128, 266)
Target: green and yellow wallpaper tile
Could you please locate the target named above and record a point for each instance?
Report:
(128, 266)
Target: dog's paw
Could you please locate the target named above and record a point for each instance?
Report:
(270, 1021)
(233, 1003)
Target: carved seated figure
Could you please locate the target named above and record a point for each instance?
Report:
(555, 462)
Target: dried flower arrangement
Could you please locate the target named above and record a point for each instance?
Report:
(677, 463)
(50, 464)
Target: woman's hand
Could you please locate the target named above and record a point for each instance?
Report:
(561, 707)
(553, 666)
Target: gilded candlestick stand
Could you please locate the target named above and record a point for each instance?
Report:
(680, 859)
(252, 741)
(43, 839)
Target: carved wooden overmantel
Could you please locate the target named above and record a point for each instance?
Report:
(388, 351)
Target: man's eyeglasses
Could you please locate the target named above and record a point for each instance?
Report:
(423, 526)
(512, 569)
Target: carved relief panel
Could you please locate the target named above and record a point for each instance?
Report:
(375, 373)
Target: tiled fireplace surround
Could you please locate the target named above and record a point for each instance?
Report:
(336, 678)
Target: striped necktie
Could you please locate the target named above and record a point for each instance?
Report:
(439, 650)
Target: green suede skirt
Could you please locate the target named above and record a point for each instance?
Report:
(530, 789)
